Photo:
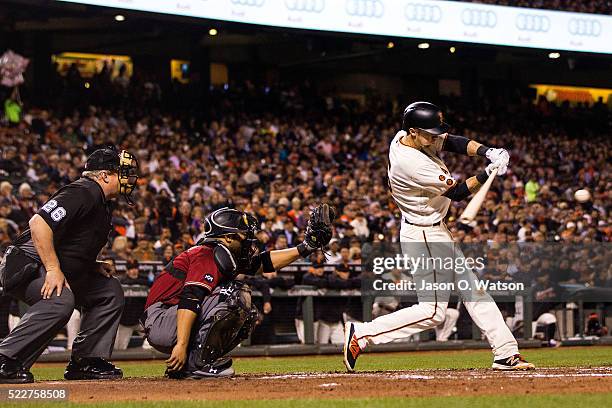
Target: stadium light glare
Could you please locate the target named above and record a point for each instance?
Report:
(452, 50)
(212, 32)
(119, 17)
(390, 44)
(423, 46)
(87, 85)
(554, 55)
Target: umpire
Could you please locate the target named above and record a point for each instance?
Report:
(52, 267)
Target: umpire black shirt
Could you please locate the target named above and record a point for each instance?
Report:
(80, 218)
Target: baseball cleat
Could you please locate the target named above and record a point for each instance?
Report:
(221, 368)
(91, 368)
(12, 372)
(351, 347)
(513, 363)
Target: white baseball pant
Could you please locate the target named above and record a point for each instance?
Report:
(431, 309)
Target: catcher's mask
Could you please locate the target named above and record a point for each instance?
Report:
(238, 225)
(123, 163)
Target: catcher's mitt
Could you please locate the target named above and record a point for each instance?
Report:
(319, 228)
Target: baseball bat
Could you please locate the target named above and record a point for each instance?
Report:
(476, 202)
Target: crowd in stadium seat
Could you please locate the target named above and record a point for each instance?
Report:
(277, 151)
(581, 6)
(292, 150)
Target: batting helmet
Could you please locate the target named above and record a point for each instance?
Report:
(425, 116)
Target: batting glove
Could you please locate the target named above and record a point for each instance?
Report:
(498, 154)
(501, 168)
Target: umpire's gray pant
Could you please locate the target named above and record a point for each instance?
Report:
(100, 300)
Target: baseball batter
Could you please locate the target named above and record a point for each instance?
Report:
(423, 189)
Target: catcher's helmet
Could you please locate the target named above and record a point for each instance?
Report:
(228, 222)
(425, 116)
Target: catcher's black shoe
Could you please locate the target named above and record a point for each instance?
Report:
(222, 368)
(513, 363)
(12, 372)
(91, 368)
(218, 369)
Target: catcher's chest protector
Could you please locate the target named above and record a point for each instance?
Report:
(227, 317)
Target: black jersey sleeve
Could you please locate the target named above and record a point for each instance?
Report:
(68, 206)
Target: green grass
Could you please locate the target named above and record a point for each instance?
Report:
(535, 401)
(464, 359)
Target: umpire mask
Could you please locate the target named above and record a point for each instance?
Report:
(128, 175)
(237, 225)
(123, 163)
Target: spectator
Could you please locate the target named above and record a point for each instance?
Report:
(281, 242)
(531, 190)
(314, 277)
(331, 310)
(120, 249)
(167, 254)
(289, 231)
(264, 332)
(164, 239)
(333, 255)
(384, 305)
(144, 251)
(132, 284)
(360, 226)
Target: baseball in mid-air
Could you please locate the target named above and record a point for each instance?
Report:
(582, 196)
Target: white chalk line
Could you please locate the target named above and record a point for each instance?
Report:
(433, 375)
(327, 385)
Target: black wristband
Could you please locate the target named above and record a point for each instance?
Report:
(482, 150)
(304, 250)
(482, 177)
(189, 304)
(457, 192)
(191, 297)
(266, 262)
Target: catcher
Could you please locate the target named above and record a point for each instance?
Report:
(198, 308)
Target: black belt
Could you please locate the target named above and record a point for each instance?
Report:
(435, 224)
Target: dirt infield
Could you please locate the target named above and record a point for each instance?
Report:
(420, 383)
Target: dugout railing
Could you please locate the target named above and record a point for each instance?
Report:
(578, 294)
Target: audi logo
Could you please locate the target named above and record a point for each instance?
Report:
(308, 6)
(423, 13)
(533, 22)
(584, 27)
(479, 18)
(252, 3)
(365, 8)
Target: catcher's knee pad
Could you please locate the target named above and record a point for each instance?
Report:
(226, 319)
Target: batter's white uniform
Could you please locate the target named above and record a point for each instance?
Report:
(417, 180)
